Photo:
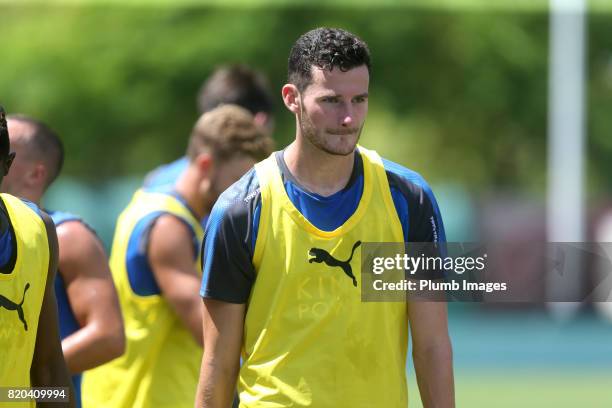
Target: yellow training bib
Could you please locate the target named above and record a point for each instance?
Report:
(161, 364)
(309, 340)
(21, 296)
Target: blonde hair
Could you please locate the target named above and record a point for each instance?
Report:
(228, 131)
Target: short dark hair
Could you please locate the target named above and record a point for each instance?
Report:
(237, 85)
(228, 131)
(5, 144)
(325, 48)
(45, 144)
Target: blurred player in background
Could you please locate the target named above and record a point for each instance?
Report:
(91, 326)
(155, 264)
(281, 258)
(231, 84)
(31, 352)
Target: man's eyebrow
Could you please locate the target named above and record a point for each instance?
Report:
(335, 95)
(329, 95)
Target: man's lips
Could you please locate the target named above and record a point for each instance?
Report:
(342, 132)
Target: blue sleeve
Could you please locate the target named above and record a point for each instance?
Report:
(227, 250)
(140, 274)
(418, 212)
(60, 217)
(415, 204)
(166, 174)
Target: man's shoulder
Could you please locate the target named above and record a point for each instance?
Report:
(239, 198)
(396, 171)
(406, 180)
(31, 206)
(27, 203)
(149, 203)
(71, 226)
(226, 254)
(60, 217)
(167, 239)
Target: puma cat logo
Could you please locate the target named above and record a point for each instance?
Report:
(322, 256)
(10, 305)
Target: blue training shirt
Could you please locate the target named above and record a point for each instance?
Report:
(166, 174)
(229, 239)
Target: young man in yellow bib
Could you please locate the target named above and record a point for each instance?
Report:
(29, 337)
(155, 265)
(91, 327)
(283, 316)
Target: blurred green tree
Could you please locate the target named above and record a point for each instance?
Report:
(459, 96)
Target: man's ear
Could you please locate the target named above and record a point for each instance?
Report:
(261, 119)
(40, 173)
(205, 162)
(291, 98)
(7, 163)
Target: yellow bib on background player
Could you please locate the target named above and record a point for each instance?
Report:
(309, 340)
(21, 296)
(162, 361)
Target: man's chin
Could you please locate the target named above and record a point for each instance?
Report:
(340, 151)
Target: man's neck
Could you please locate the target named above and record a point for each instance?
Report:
(187, 186)
(30, 195)
(318, 171)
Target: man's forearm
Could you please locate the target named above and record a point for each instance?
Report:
(53, 374)
(217, 386)
(188, 307)
(90, 347)
(223, 330)
(434, 371)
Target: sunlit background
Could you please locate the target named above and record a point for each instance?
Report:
(461, 91)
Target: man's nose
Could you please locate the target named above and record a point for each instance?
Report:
(347, 115)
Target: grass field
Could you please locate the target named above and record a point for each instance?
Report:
(536, 389)
(528, 360)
